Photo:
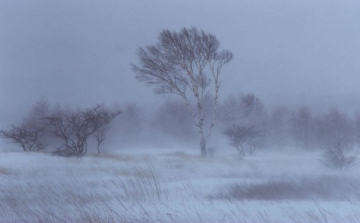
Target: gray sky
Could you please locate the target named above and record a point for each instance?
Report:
(78, 52)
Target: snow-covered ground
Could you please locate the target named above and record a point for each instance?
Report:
(167, 185)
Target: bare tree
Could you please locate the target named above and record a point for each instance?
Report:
(185, 63)
(75, 128)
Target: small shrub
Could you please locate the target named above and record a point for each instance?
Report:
(29, 138)
(240, 136)
(75, 128)
(335, 157)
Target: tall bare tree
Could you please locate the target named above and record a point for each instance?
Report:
(185, 63)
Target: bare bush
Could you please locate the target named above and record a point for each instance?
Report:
(75, 128)
(239, 136)
(31, 132)
(335, 157)
(28, 138)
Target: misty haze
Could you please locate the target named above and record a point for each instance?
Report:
(179, 111)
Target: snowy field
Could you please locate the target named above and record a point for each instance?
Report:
(167, 185)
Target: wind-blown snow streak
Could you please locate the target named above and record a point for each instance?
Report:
(169, 186)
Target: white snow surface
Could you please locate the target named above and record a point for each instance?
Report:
(162, 185)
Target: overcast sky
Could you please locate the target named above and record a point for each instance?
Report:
(78, 52)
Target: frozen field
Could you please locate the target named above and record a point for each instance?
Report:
(160, 185)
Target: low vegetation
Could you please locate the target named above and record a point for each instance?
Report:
(147, 187)
(337, 157)
(72, 128)
(325, 187)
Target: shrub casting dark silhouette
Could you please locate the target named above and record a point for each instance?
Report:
(75, 128)
(28, 138)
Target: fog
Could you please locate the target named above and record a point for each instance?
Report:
(78, 53)
(285, 147)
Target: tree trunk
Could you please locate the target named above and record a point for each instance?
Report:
(203, 146)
